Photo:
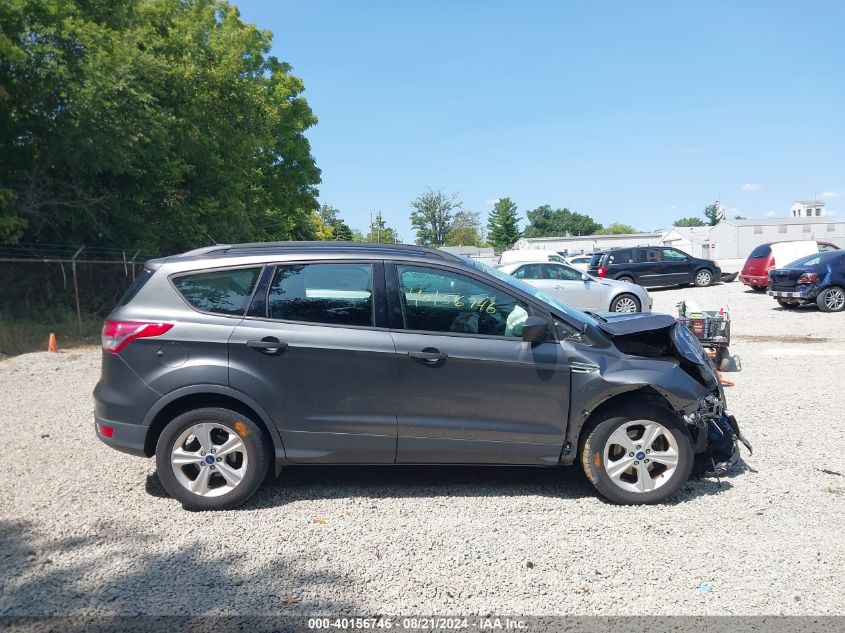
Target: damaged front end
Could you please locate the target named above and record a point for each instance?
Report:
(715, 433)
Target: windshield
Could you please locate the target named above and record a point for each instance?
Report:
(557, 306)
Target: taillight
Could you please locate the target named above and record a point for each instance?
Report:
(118, 334)
(601, 272)
(807, 278)
(697, 326)
(105, 431)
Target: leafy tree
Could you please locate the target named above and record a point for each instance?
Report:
(340, 229)
(148, 123)
(503, 225)
(358, 236)
(691, 221)
(432, 216)
(712, 213)
(466, 229)
(617, 228)
(547, 222)
(380, 232)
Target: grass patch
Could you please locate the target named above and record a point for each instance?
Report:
(20, 336)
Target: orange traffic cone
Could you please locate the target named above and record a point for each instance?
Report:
(52, 343)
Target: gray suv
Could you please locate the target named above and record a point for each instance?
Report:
(231, 361)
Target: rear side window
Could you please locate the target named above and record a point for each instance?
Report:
(620, 257)
(140, 281)
(336, 294)
(219, 291)
(764, 250)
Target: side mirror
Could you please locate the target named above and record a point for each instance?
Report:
(535, 329)
(585, 277)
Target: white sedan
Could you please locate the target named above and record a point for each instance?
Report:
(580, 290)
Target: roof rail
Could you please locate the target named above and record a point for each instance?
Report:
(319, 245)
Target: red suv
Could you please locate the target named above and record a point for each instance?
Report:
(765, 257)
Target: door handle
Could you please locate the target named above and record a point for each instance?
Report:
(428, 355)
(268, 345)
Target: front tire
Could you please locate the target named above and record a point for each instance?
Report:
(636, 457)
(212, 458)
(703, 278)
(831, 299)
(625, 303)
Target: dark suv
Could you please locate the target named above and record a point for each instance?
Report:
(230, 361)
(652, 266)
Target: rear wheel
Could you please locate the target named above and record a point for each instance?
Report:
(831, 299)
(703, 278)
(625, 279)
(787, 305)
(639, 455)
(212, 459)
(625, 303)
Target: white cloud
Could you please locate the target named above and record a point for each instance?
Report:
(750, 186)
(825, 195)
(492, 201)
(770, 214)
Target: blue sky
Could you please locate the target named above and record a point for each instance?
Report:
(639, 112)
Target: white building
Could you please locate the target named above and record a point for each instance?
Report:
(577, 244)
(808, 209)
(693, 240)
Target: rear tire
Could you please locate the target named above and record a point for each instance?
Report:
(620, 437)
(625, 302)
(787, 305)
(703, 278)
(625, 279)
(831, 299)
(212, 458)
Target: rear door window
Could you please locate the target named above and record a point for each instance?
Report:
(529, 271)
(219, 291)
(334, 294)
(649, 255)
(564, 273)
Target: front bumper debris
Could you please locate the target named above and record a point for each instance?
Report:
(719, 437)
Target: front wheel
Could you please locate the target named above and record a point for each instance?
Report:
(625, 303)
(212, 458)
(637, 455)
(703, 278)
(831, 299)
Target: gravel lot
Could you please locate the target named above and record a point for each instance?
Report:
(85, 529)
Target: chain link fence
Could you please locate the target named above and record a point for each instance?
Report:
(63, 289)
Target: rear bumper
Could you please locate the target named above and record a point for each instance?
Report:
(754, 280)
(802, 293)
(126, 438)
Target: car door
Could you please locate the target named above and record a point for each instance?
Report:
(567, 285)
(651, 269)
(315, 352)
(469, 390)
(678, 266)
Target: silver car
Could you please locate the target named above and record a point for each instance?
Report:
(580, 290)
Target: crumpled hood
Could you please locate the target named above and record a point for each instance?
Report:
(624, 323)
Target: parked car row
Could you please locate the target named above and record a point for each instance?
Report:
(768, 256)
(818, 278)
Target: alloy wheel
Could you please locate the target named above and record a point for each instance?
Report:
(209, 459)
(641, 456)
(626, 304)
(834, 299)
(703, 278)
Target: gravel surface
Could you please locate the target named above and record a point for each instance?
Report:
(85, 529)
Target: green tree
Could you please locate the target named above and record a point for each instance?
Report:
(466, 229)
(358, 236)
(340, 229)
(432, 216)
(148, 123)
(691, 221)
(617, 228)
(380, 232)
(711, 212)
(503, 225)
(547, 222)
